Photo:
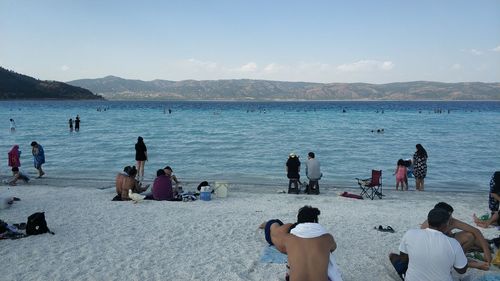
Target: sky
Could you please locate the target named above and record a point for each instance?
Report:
(311, 41)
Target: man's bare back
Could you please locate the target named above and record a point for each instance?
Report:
(308, 258)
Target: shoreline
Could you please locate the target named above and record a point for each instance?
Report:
(206, 240)
(106, 183)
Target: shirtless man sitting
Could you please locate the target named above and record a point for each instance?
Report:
(127, 181)
(308, 258)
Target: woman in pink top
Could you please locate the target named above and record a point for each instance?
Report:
(401, 175)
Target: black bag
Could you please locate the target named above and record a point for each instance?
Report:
(37, 225)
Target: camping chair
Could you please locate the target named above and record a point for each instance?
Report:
(373, 186)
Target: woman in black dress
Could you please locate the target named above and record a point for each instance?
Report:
(420, 167)
(141, 156)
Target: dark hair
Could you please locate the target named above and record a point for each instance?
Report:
(401, 162)
(132, 172)
(437, 217)
(308, 214)
(445, 206)
(33, 143)
(421, 151)
(203, 183)
(140, 140)
(127, 169)
(311, 154)
(15, 169)
(167, 168)
(160, 172)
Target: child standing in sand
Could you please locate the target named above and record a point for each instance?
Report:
(401, 175)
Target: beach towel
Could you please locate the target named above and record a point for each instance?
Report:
(313, 230)
(350, 195)
(489, 277)
(271, 255)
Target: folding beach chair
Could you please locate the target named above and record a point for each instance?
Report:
(372, 187)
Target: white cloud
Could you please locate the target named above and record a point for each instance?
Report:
(274, 68)
(249, 67)
(64, 68)
(366, 66)
(473, 52)
(496, 49)
(207, 65)
(476, 52)
(456, 66)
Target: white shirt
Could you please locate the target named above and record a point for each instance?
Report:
(432, 255)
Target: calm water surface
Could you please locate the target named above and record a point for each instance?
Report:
(250, 141)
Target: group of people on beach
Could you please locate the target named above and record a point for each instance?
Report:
(426, 254)
(14, 161)
(166, 186)
(416, 167)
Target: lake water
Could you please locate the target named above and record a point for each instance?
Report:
(249, 142)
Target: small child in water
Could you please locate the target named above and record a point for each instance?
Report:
(401, 175)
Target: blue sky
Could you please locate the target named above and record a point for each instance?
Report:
(314, 41)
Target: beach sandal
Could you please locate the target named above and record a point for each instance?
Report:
(387, 229)
(20, 226)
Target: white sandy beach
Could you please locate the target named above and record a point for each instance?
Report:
(97, 239)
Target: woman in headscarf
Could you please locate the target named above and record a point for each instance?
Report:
(14, 155)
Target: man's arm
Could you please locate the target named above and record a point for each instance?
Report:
(478, 236)
(461, 270)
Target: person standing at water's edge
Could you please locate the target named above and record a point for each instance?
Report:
(494, 196)
(38, 157)
(14, 155)
(77, 123)
(420, 167)
(141, 156)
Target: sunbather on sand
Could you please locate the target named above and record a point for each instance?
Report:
(308, 258)
(470, 238)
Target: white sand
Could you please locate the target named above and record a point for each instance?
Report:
(97, 239)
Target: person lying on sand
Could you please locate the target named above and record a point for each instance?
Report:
(470, 238)
(308, 255)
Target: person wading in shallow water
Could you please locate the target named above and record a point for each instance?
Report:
(38, 157)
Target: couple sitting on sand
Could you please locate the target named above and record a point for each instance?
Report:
(307, 245)
(126, 181)
(430, 253)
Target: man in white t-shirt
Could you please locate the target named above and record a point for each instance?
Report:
(430, 254)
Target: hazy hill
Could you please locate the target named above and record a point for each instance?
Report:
(17, 86)
(118, 88)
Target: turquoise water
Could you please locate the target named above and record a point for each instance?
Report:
(250, 141)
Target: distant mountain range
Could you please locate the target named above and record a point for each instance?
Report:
(112, 87)
(17, 86)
